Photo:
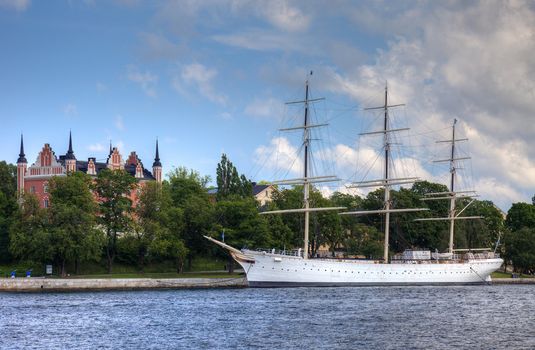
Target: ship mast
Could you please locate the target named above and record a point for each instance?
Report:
(306, 180)
(306, 189)
(387, 185)
(452, 188)
(452, 195)
(387, 182)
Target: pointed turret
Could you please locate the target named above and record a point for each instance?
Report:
(157, 165)
(157, 158)
(21, 167)
(22, 156)
(70, 153)
(70, 159)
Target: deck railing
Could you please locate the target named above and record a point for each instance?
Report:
(291, 252)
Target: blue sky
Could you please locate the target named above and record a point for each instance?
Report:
(206, 77)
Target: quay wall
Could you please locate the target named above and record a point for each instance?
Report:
(102, 284)
(513, 281)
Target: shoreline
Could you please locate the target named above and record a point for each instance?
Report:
(111, 284)
(37, 285)
(513, 281)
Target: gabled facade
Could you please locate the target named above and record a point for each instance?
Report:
(34, 179)
(262, 193)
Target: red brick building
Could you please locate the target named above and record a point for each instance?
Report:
(34, 179)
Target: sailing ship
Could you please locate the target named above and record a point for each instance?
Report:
(271, 268)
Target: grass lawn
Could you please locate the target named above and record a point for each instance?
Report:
(221, 274)
(201, 267)
(499, 274)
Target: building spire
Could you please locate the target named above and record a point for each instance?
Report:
(157, 158)
(70, 153)
(22, 156)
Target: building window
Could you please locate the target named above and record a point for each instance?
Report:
(32, 189)
(45, 187)
(45, 203)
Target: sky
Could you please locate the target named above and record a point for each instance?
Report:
(211, 77)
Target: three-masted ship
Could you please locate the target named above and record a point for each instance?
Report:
(271, 268)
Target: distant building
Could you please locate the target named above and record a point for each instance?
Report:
(262, 193)
(34, 179)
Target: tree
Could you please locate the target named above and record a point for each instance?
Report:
(169, 242)
(72, 232)
(229, 182)
(186, 183)
(520, 215)
(28, 238)
(112, 188)
(522, 249)
(159, 226)
(242, 224)
(190, 198)
(8, 206)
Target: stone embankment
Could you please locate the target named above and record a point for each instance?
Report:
(102, 284)
(513, 281)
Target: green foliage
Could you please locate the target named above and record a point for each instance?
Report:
(193, 214)
(28, 234)
(522, 249)
(158, 228)
(520, 215)
(519, 237)
(73, 234)
(8, 206)
(229, 182)
(185, 184)
(64, 232)
(243, 226)
(112, 188)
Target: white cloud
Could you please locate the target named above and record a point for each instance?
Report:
(284, 16)
(70, 110)
(269, 107)
(17, 5)
(146, 80)
(502, 193)
(119, 124)
(158, 46)
(280, 156)
(169, 139)
(101, 87)
(120, 146)
(262, 40)
(200, 77)
(96, 147)
(226, 116)
(471, 61)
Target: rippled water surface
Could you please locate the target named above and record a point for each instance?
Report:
(468, 317)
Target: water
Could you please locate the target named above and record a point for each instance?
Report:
(467, 317)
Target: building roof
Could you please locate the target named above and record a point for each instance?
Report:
(22, 156)
(256, 189)
(81, 165)
(131, 169)
(259, 188)
(157, 158)
(70, 153)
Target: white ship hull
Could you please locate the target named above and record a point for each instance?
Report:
(275, 270)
